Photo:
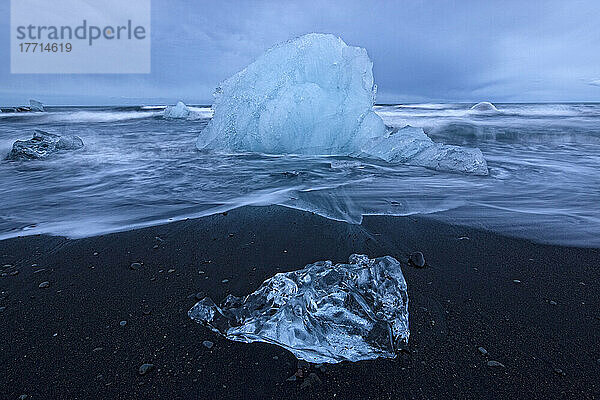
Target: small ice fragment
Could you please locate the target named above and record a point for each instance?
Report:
(178, 111)
(181, 111)
(495, 364)
(35, 105)
(145, 368)
(323, 313)
(42, 145)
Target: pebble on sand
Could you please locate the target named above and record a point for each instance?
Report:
(311, 380)
(145, 368)
(135, 266)
(417, 259)
(44, 285)
(208, 344)
(494, 364)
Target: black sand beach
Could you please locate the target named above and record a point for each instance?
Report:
(533, 308)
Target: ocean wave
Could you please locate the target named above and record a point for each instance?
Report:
(77, 116)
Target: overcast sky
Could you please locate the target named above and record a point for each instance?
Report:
(423, 51)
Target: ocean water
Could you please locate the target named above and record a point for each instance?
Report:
(138, 169)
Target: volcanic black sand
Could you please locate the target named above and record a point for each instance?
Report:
(533, 308)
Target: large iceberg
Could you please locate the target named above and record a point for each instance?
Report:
(323, 313)
(311, 95)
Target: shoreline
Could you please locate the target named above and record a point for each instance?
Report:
(544, 329)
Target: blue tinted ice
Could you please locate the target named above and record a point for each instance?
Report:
(43, 145)
(412, 146)
(312, 95)
(323, 313)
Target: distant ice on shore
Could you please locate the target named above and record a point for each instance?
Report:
(485, 106)
(182, 111)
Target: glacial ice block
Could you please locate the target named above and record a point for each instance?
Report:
(323, 313)
(311, 95)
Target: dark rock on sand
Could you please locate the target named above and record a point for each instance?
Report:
(311, 381)
(417, 259)
(42, 145)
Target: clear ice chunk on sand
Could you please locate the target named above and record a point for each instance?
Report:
(323, 313)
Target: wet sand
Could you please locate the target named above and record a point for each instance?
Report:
(534, 308)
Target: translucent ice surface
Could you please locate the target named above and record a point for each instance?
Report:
(311, 95)
(42, 145)
(323, 313)
(412, 146)
(36, 105)
(314, 95)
